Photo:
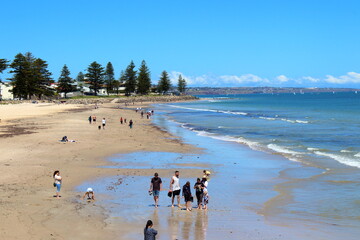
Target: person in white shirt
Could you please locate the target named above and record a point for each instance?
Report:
(57, 182)
(103, 123)
(175, 188)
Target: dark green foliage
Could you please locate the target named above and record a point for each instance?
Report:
(164, 84)
(181, 85)
(130, 79)
(143, 79)
(3, 65)
(80, 77)
(30, 77)
(109, 77)
(95, 76)
(65, 82)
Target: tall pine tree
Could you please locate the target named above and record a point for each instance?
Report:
(181, 84)
(30, 77)
(65, 82)
(143, 79)
(80, 79)
(95, 76)
(3, 66)
(109, 77)
(164, 84)
(130, 79)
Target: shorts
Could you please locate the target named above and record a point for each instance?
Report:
(156, 193)
(188, 199)
(176, 192)
(58, 187)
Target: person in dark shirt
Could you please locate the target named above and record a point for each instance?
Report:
(187, 195)
(155, 188)
(149, 232)
(130, 123)
(199, 188)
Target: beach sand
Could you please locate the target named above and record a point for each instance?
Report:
(31, 151)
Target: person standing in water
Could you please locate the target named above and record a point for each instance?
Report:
(175, 188)
(149, 232)
(57, 182)
(187, 196)
(155, 188)
(199, 189)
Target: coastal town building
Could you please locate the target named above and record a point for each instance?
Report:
(5, 91)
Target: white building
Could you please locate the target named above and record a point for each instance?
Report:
(5, 91)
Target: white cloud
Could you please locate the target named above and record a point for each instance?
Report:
(254, 80)
(311, 79)
(282, 78)
(246, 78)
(350, 77)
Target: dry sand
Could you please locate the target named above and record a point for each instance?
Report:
(31, 151)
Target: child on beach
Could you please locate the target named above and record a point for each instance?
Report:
(121, 120)
(94, 119)
(149, 232)
(89, 192)
(57, 182)
(131, 123)
(206, 193)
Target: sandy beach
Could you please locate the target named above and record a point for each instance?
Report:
(31, 151)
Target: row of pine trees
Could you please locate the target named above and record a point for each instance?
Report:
(31, 78)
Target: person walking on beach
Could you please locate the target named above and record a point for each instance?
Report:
(175, 188)
(90, 119)
(199, 191)
(187, 196)
(57, 182)
(103, 123)
(94, 119)
(149, 232)
(155, 188)
(131, 123)
(121, 120)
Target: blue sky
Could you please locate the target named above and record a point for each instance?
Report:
(212, 43)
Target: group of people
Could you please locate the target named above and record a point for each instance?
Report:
(201, 190)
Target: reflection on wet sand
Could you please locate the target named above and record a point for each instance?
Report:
(186, 225)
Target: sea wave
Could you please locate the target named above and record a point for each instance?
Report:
(341, 159)
(282, 150)
(210, 110)
(357, 155)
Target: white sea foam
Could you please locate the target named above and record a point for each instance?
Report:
(313, 149)
(341, 159)
(357, 155)
(346, 151)
(268, 118)
(210, 110)
(282, 150)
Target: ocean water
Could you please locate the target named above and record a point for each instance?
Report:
(320, 130)
(317, 134)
